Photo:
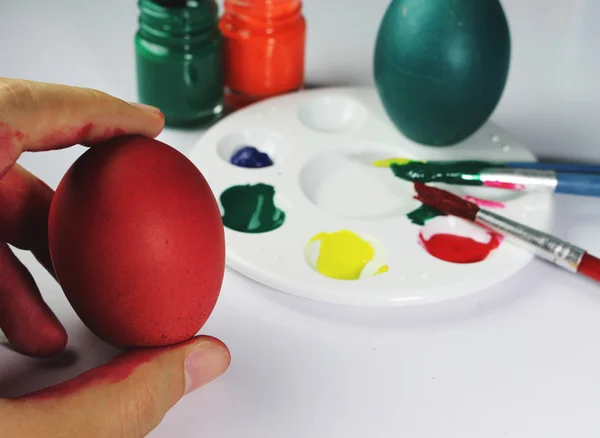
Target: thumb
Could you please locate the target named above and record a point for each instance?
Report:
(127, 397)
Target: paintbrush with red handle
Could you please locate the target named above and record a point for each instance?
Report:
(544, 245)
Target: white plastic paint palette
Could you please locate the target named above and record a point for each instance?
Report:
(322, 144)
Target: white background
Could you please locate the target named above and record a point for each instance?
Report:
(519, 360)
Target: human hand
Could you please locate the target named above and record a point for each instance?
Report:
(129, 396)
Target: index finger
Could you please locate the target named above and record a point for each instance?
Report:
(38, 116)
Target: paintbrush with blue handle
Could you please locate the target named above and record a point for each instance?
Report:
(558, 167)
(540, 165)
(559, 178)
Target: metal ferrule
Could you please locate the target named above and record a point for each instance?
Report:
(526, 179)
(544, 245)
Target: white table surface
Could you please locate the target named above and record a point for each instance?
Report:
(519, 360)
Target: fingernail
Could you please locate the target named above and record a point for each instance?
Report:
(147, 108)
(204, 365)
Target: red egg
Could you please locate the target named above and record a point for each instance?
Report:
(137, 243)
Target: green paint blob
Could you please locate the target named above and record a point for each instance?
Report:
(423, 214)
(251, 209)
(452, 172)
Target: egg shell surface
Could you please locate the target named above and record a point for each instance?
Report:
(441, 66)
(137, 243)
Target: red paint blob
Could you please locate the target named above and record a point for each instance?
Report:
(459, 249)
(504, 185)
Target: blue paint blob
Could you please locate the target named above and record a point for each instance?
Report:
(250, 157)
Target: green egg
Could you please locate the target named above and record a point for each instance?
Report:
(441, 66)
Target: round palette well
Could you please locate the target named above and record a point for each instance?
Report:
(319, 220)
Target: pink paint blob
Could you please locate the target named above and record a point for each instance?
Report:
(504, 185)
(459, 249)
(484, 202)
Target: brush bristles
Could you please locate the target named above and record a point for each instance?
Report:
(446, 202)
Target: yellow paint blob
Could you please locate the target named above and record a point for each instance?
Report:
(343, 255)
(390, 161)
(382, 270)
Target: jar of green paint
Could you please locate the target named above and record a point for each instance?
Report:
(179, 60)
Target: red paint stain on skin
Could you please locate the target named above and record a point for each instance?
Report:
(6, 143)
(8, 136)
(80, 135)
(484, 202)
(115, 371)
(84, 131)
(24, 208)
(27, 322)
(459, 249)
(9, 152)
(5, 133)
(20, 136)
(107, 134)
(67, 136)
(504, 185)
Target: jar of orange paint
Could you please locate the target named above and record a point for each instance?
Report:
(264, 49)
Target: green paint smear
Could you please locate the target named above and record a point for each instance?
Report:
(451, 172)
(251, 209)
(422, 214)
